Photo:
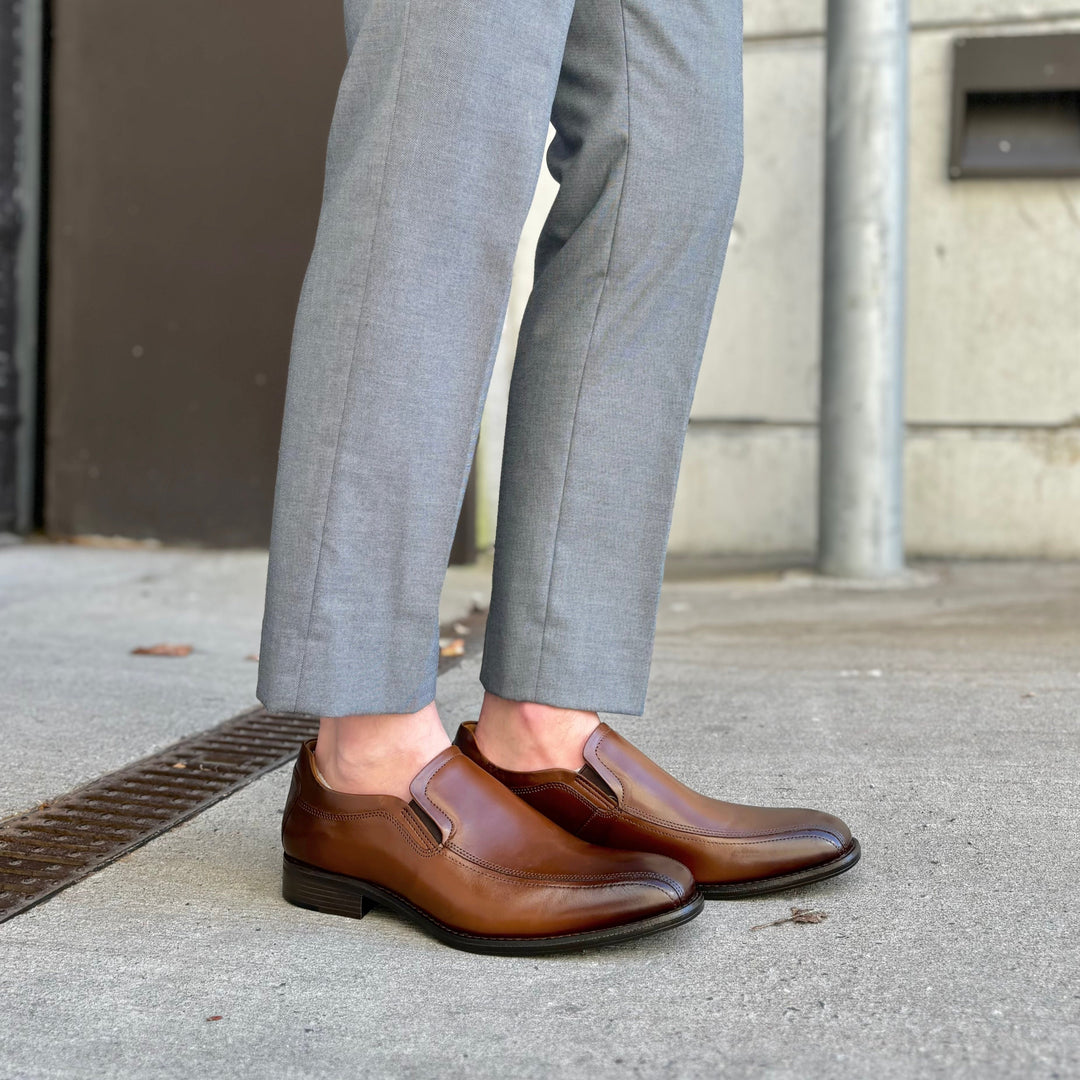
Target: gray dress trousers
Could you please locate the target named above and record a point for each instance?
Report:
(435, 149)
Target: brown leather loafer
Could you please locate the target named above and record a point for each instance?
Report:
(622, 799)
(472, 864)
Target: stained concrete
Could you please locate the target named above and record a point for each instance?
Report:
(76, 703)
(941, 719)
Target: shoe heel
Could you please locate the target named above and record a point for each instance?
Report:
(308, 887)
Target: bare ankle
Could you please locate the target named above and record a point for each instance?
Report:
(525, 736)
(378, 754)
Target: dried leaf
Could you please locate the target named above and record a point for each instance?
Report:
(215, 1018)
(162, 649)
(454, 647)
(798, 915)
(808, 916)
(179, 765)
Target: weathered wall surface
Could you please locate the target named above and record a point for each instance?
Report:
(993, 329)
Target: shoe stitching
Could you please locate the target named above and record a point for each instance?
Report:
(615, 875)
(779, 832)
(675, 826)
(438, 806)
(475, 869)
(426, 915)
(794, 875)
(719, 838)
(408, 819)
(712, 838)
(505, 872)
(510, 779)
(559, 786)
(621, 795)
(327, 815)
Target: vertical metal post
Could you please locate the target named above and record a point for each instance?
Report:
(862, 430)
(31, 40)
(10, 226)
(20, 177)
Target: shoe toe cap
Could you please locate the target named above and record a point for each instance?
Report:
(815, 838)
(656, 874)
(830, 828)
(785, 841)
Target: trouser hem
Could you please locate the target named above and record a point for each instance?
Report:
(344, 702)
(587, 699)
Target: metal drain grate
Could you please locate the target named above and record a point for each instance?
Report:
(65, 840)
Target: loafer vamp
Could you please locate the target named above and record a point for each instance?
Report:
(470, 855)
(623, 799)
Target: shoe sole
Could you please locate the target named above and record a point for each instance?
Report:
(337, 894)
(739, 890)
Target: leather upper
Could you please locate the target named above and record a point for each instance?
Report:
(495, 867)
(623, 799)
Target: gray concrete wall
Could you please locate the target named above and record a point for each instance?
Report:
(993, 351)
(993, 347)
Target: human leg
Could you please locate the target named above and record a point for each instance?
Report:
(627, 270)
(434, 150)
(436, 144)
(648, 153)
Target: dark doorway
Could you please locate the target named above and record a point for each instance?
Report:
(185, 172)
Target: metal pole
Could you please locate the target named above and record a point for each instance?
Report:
(862, 429)
(20, 138)
(10, 227)
(28, 257)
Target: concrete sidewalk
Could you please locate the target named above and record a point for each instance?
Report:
(941, 720)
(77, 703)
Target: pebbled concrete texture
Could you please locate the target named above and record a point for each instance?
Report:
(942, 720)
(76, 703)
